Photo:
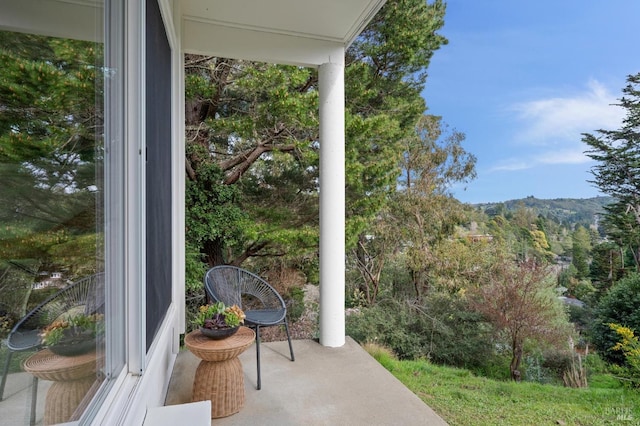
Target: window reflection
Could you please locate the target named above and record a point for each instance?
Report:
(51, 224)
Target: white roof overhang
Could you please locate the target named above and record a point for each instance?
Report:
(299, 32)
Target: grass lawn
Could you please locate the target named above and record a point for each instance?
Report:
(16, 360)
(462, 398)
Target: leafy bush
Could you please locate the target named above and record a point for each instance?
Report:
(619, 306)
(630, 347)
(295, 303)
(547, 367)
(495, 367)
(391, 323)
(441, 329)
(7, 321)
(581, 317)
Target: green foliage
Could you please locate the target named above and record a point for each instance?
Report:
(73, 329)
(213, 214)
(629, 345)
(581, 252)
(389, 323)
(51, 128)
(295, 305)
(384, 78)
(607, 266)
(619, 306)
(442, 330)
(217, 315)
(617, 171)
(7, 321)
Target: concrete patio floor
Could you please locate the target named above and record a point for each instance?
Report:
(324, 386)
(15, 408)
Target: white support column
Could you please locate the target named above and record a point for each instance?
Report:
(332, 204)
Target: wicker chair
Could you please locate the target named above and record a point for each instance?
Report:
(84, 296)
(260, 302)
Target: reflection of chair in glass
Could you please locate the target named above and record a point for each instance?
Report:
(260, 302)
(83, 296)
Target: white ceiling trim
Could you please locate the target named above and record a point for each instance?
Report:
(297, 32)
(259, 29)
(355, 29)
(259, 46)
(362, 22)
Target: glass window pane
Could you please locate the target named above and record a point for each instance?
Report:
(52, 226)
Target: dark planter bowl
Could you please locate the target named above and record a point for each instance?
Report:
(219, 333)
(73, 348)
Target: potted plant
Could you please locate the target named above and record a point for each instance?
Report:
(218, 321)
(73, 335)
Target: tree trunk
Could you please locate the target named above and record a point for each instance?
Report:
(515, 362)
(415, 277)
(213, 251)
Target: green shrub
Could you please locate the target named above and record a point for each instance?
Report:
(495, 367)
(619, 306)
(441, 329)
(295, 303)
(390, 323)
(595, 364)
(556, 363)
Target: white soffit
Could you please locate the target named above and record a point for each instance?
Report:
(303, 32)
(77, 19)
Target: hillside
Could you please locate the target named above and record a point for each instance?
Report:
(565, 211)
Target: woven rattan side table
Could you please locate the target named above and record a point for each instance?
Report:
(219, 375)
(72, 378)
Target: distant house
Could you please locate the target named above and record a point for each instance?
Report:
(54, 279)
(475, 238)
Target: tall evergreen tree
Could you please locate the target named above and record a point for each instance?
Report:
(50, 119)
(617, 172)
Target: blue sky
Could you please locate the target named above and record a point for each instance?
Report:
(523, 80)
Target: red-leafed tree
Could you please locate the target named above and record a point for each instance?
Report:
(519, 300)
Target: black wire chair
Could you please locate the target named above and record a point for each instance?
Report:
(261, 303)
(83, 296)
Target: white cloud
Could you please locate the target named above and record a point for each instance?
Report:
(557, 120)
(511, 165)
(549, 157)
(563, 157)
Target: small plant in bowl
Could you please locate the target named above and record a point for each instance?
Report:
(73, 335)
(218, 321)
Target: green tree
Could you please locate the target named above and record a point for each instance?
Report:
(617, 172)
(384, 77)
(250, 126)
(50, 148)
(581, 252)
(607, 266)
(258, 123)
(422, 212)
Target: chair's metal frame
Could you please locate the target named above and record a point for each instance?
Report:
(228, 284)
